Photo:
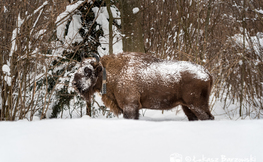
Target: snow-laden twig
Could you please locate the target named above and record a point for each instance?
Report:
(20, 22)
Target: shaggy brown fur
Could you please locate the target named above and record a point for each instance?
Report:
(138, 80)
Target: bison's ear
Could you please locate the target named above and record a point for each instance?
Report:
(98, 70)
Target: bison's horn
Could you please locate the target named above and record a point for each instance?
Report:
(96, 57)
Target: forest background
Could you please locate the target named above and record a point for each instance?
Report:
(42, 43)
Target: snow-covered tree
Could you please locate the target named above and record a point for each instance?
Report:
(42, 44)
(78, 36)
(82, 29)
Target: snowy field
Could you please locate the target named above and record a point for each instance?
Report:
(156, 137)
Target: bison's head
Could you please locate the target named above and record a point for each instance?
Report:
(87, 77)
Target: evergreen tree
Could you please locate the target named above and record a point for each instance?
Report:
(78, 35)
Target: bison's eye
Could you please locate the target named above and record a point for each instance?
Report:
(87, 72)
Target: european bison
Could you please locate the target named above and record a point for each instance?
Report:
(137, 80)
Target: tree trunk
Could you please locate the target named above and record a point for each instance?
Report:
(131, 26)
(110, 27)
(243, 59)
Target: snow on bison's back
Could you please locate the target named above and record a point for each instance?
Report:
(137, 80)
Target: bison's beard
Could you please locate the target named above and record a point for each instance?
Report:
(84, 87)
(84, 93)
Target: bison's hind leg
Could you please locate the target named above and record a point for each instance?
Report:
(202, 112)
(197, 102)
(208, 112)
(190, 115)
(200, 108)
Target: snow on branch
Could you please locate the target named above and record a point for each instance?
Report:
(75, 24)
(20, 21)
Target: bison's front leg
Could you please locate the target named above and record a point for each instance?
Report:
(131, 108)
(128, 100)
(131, 112)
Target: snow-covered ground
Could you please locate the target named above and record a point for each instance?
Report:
(156, 137)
